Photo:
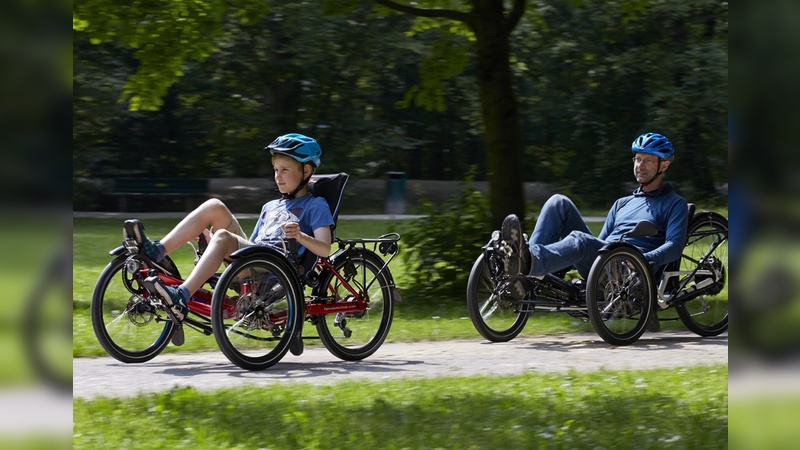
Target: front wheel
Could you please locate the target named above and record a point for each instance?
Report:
(355, 336)
(256, 309)
(707, 250)
(495, 318)
(620, 295)
(126, 324)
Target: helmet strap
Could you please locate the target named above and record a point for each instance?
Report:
(301, 185)
(292, 194)
(658, 173)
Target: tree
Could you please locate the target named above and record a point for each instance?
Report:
(491, 25)
(165, 35)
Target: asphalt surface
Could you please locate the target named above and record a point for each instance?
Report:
(105, 376)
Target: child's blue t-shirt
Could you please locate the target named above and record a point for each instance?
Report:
(309, 211)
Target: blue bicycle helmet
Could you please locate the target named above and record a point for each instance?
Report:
(653, 143)
(297, 146)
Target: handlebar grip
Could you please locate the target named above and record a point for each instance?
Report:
(202, 244)
(292, 247)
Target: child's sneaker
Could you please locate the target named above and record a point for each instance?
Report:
(517, 259)
(133, 235)
(170, 294)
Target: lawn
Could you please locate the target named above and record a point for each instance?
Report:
(653, 409)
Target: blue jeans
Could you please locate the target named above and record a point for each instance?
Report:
(561, 239)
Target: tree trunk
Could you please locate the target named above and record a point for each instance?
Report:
(502, 134)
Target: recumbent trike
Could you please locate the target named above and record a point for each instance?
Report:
(257, 306)
(620, 292)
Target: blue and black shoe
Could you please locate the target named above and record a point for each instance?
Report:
(136, 241)
(170, 294)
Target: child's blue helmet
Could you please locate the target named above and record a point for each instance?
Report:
(653, 143)
(297, 146)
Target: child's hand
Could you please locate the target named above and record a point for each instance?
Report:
(291, 230)
(206, 233)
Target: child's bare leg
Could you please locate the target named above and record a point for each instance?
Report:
(212, 213)
(222, 244)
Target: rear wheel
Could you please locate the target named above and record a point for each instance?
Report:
(126, 324)
(497, 319)
(355, 336)
(256, 308)
(706, 315)
(620, 295)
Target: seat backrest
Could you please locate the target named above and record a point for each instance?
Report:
(675, 265)
(331, 188)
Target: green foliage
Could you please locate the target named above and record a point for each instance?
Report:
(588, 77)
(441, 248)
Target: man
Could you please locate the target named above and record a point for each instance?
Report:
(562, 240)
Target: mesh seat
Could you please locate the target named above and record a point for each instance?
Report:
(672, 283)
(331, 188)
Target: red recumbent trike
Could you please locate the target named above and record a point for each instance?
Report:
(257, 306)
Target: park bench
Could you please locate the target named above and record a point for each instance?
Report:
(189, 188)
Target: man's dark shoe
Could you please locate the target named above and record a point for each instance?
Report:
(519, 287)
(134, 238)
(653, 324)
(170, 294)
(517, 257)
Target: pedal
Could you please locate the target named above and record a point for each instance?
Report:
(340, 322)
(178, 337)
(131, 246)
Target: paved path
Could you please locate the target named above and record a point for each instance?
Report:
(108, 377)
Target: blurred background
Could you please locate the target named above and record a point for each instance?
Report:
(35, 225)
(765, 224)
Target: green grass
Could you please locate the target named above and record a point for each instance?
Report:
(677, 408)
(768, 421)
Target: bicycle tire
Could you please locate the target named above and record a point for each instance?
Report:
(256, 309)
(359, 334)
(125, 324)
(706, 315)
(496, 319)
(620, 295)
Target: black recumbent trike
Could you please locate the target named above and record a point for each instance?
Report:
(621, 291)
(257, 306)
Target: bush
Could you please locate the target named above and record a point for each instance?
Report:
(441, 248)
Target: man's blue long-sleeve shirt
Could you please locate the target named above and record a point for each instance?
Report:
(665, 208)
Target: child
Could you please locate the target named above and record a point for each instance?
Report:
(297, 215)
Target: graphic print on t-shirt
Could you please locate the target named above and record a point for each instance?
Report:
(273, 219)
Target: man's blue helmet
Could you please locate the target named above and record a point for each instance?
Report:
(302, 148)
(653, 143)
